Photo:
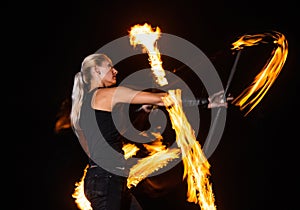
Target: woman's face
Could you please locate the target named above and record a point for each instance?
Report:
(108, 73)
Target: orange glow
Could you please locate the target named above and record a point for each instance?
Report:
(63, 121)
(254, 93)
(196, 166)
(78, 195)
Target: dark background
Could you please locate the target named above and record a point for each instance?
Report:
(253, 166)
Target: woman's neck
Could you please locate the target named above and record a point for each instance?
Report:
(96, 85)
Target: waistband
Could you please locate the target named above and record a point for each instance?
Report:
(92, 164)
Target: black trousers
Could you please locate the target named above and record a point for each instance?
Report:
(107, 191)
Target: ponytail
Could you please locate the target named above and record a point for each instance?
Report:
(82, 84)
(77, 98)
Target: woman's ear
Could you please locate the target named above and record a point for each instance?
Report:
(97, 70)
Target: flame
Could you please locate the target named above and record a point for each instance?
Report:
(78, 195)
(145, 35)
(150, 164)
(196, 166)
(158, 157)
(129, 150)
(156, 145)
(63, 121)
(253, 94)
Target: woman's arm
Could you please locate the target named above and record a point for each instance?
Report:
(214, 101)
(128, 95)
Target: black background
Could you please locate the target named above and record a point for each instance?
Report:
(252, 167)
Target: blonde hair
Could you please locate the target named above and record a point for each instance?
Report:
(82, 84)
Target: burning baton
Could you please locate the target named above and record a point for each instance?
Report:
(196, 166)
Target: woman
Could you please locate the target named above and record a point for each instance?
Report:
(94, 97)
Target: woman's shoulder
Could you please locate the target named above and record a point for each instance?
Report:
(117, 94)
(102, 98)
(103, 91)
(109, 92)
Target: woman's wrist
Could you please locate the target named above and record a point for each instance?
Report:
(203, 102)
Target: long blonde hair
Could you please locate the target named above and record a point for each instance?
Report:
(82, 84)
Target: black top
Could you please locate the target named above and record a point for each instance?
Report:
(107, 128)
(102, 137)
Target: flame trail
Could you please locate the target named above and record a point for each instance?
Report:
(150, 164)
(253, 94)
(196, 166)
(143, 34)
(158, 157)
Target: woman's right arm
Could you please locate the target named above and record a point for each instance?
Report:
(128, 95)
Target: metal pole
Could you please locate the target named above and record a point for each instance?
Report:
(232, 72)
(215, 120)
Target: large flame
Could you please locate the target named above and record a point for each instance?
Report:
(196, 166)
(253, 94)
(147, 37)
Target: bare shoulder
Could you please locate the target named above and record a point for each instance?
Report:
(123, 89)
(106, 98)
(112, 91)
(102, 98)
(101, 92)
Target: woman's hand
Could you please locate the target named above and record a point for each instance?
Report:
(147, 108)
(218, 100)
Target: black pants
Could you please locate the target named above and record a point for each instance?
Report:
(107, 191)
